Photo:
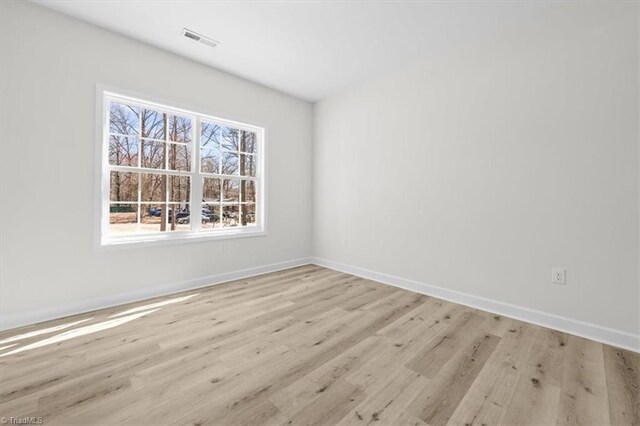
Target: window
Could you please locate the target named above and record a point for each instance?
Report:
(171, 174)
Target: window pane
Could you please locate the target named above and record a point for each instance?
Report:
(229, 163)
(123, 186)
(210, 136)
(153, 124)
(210, 161)
(248, 214)
(123, 151)
(211, 190)
(153, 187)
(150, 217)
(229, 138)
(180, 157)
(123, 218)
(230, 215)
(152, 154)
(231, 190)
(247, 165)
(179, 188)
(248, 142)
(248, 191)
(238, 140)
(211, 216)
(124, 119)
(179, 129)
(179, 217)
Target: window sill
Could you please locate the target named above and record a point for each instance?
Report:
(152, 240)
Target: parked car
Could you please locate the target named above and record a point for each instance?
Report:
(210, 216)
(186, 219)
(183, 216)
(229, 215)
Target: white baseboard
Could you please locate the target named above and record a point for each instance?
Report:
(579, 328)
(587, 330)
(32, 317)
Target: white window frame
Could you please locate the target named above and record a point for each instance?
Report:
(105, 95)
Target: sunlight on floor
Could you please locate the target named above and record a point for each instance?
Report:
(153, 305)
(2, 348)
(82, 331)
(118, 319)
(43, 331)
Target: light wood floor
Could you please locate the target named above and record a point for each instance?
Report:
(311, 346)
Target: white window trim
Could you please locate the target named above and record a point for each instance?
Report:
(104, 95)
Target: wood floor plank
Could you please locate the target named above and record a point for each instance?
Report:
(622, 370)
(293, 398)
(431, 359)
(584, 398)
(537, 394)
(436, 403)
(310, 345)
(490, 393)
(333, 405)
(387, 404)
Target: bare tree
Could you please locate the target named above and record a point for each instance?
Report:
(123, 123)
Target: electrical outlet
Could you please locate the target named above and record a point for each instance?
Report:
(558, 275)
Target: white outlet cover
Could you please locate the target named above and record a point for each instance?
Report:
(559, 275)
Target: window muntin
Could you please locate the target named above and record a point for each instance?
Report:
(169, 172)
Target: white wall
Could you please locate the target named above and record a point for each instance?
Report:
(50, 66)
(476, 172)
(479, 171)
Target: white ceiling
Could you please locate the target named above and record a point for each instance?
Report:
(309, 49)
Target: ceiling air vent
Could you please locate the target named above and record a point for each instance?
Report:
(199, 38)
